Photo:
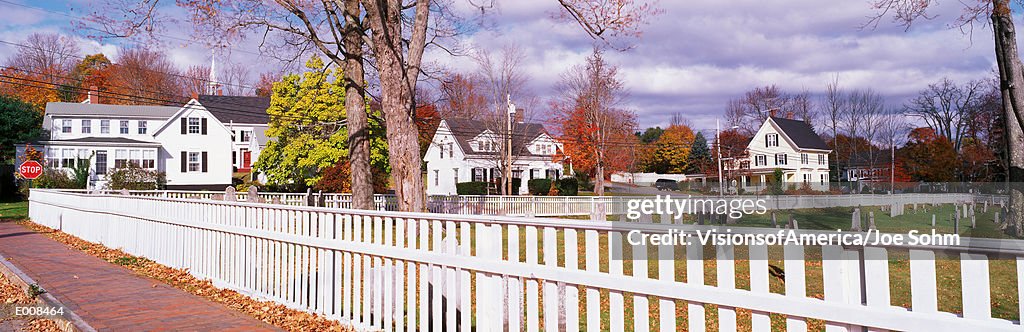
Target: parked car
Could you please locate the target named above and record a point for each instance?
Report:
(666, 184)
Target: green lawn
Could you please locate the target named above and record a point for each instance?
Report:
(13, 210)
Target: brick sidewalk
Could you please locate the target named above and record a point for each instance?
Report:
(110, 297)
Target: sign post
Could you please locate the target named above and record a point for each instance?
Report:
(30, 170)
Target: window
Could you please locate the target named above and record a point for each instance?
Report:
(120, 158)
(83, 157)
(101, 162)
(823, 179)
(246, 135)
(194, 162)
(234, 157)
(53, 158)
(135, 157)
(456, 175)
(451, 151)
(804, 159)
(124, 127)
(67, 158)
(104, 126)
(821, 159)
(86, 126)
(781, 159)
(760, 160)
(149, 159)
(771, 140)
(437, 177)
(478, 174)
(193, 125)
(142, 127)
(234, 136)
(65, 126)
(442, 150)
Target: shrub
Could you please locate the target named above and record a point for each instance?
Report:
(471, 188)
(583, 181)
(568, 187)
(80, 173)
(54, 179)
(133, 177)
(775, 186)
(539, 187)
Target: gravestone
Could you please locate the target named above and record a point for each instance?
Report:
(871, 220)
(933, 220)
(974, 223)
(229, 194)
(855, 220)
(956, 223)
(775, 222)
(253, 196)
(792, 223)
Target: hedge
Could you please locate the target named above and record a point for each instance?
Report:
(568, 187)
(471, 188)
(539, 186)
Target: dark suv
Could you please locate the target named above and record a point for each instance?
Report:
(666, 184)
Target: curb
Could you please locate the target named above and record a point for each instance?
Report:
(69, 321)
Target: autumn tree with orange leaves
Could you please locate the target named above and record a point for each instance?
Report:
(597, 134)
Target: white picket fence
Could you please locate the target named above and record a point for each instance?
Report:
(394, 271)
(551, 206)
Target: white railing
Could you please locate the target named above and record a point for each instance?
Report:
(396, 271)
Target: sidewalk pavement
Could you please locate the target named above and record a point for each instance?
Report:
(111, 298)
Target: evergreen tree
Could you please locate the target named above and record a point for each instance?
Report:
(700, 156)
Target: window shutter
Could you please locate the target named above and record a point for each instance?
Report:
(184, 162)
(184, 126)
(204, 160)
(204, 128)
(766, 141)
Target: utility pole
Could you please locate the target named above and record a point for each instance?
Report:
(508, 149)
(892, 169)
(718, 144)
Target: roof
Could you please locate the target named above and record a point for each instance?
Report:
(237, 109)
(100, 140)
(145, 111)
(466, 130)
(801, 133)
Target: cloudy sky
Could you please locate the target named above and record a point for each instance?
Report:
(690, 60)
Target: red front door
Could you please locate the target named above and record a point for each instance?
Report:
(246, 160)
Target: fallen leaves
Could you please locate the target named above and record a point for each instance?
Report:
(269, 312)
(12, 294)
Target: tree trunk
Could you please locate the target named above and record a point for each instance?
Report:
(599, 178)
(355, 108)
(1011, 81)
(398, 81)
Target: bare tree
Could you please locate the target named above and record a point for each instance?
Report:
(50, 56)
(147, 77)
(948, 107)
(755, 106)
(197, 80)
(233, 80)
(595, 93)
(462, 97)
(870, 106)
(833, 107)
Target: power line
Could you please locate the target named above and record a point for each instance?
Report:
(140, 68)
(83, 18)
(133, 98)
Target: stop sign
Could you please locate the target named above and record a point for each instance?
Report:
(30, 169)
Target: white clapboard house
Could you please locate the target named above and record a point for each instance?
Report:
(467, 150)
(197, 145)
(789, 145)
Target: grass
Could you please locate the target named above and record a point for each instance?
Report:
(13, 210)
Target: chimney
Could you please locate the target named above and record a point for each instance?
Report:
(520, 115)
(220, 92)
(94, 97)
(789, 115)
(771, 112)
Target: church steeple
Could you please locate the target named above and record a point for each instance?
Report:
(213, 84)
